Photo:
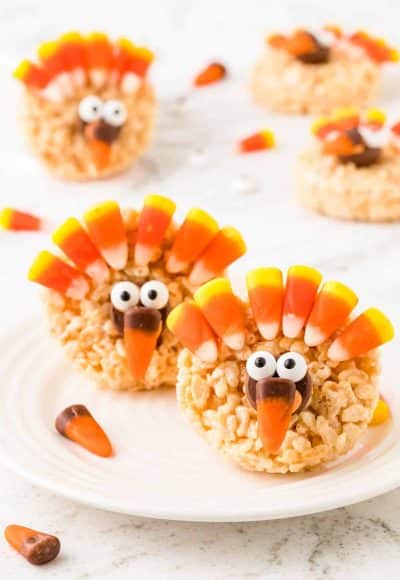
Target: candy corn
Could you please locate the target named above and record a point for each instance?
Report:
(257, 142)
(189, 325)
(331, 309)
(213, 73)
(226, 247)
(107, 231)
(142, 327)
(192, 238)
(375, 119)
(52, 272)
(342, 145)
(153, 222)
(376, 49)
(275, 400)
(371, 329)
(16, 220)
(301, 288)
(36, 547)
(381, 413)
(266, 292)
(77, 424)
(99, 57)
(100, 151)
(223, 310)
(31, 75)
(76, 244)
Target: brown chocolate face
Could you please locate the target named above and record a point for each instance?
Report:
(368, 156)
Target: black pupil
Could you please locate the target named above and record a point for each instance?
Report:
(152, 294)
(125, 296)
(94, 108)
(116, 111)
(289, 363)
(260, 362)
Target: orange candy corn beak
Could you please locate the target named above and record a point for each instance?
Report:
(153, 223)
(100, 150)
(19, 221)
(342, 145)
(188, 324)
(38, 548)
(276, 401)
(213, 73)
(266, 292)
(223, 310)
(142, 327)
(77, 424)
(368, 331)
(301, 288)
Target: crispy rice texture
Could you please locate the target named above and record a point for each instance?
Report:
(344, 397)
(286, 85)
(89, 337)
(53, 132)
(345, 191)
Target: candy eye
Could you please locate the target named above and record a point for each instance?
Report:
(261, 365)
(154, 294)
(292, 366)
(124, 295)
(114, 113)
(90, 109)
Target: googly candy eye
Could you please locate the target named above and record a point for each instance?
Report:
(154, 294)
(261, 365)
(292, 366)
(124, 295)
(114, 113)
(90, 109)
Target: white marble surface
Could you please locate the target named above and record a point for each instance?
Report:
(193, 159)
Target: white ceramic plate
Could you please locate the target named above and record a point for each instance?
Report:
(161, 467)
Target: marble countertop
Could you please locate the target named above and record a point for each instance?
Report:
(193, 160)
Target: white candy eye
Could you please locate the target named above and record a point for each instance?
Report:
(292, 366)
(90, 109)
(154, 294)
(124, 295)
(114, 113)
(261, 365)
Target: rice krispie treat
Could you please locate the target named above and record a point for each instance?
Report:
(108, 300)
(317, 71)
(88, 108)
(285, 382)
(352, 169)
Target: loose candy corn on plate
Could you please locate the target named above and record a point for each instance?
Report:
(161, 468)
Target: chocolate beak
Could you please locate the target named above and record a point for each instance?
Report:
(276, 400)
(142, 327)
(100, 137)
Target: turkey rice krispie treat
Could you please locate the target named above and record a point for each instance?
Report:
(107, 302)
(285, 382)
(88, 108)
(317, 71)
(352, 169)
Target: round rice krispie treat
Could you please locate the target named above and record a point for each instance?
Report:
(107, 302)
(285, 382)
(88, 109)
(352, 169)
(317, 71)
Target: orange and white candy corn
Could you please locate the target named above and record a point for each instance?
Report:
(368, 331)
(142, 327)
(223, 310)
(153, 223)
(226, 247)
(74, 241)
(107, 231)
(381, 413)
(189, 325)
(301, 288)
(192, 238)
(36, 547)
(266, 293)
(52, 272)
(331, 309)
(19, 221)
(77, 424)
(257, 142)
